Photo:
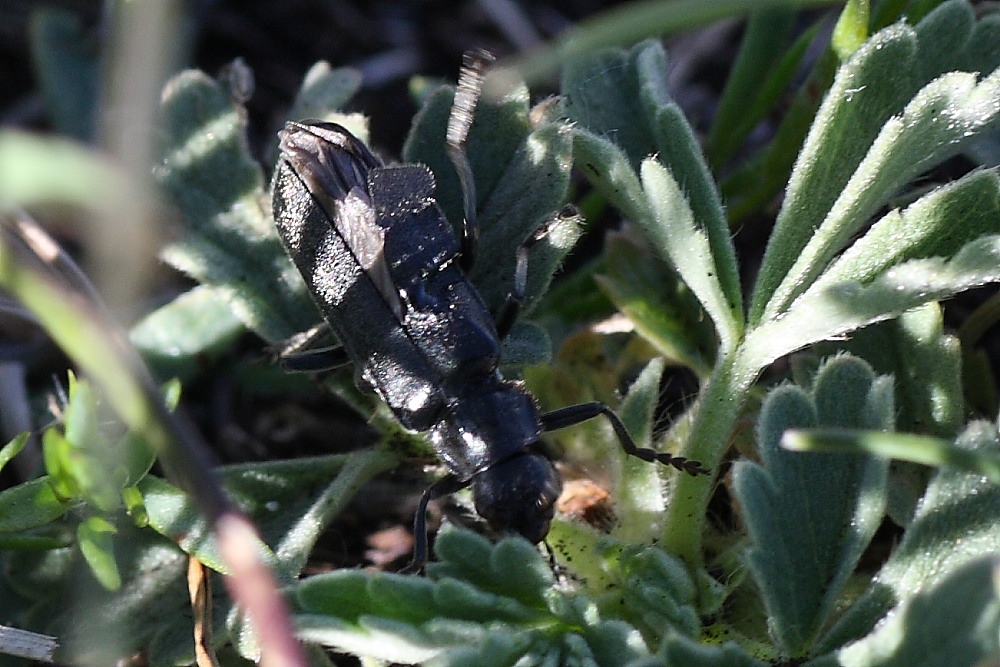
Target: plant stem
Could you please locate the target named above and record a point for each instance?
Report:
(722, 398)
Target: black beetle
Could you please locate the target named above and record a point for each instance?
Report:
(387, 272)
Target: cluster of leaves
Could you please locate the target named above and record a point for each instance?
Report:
(793, 586)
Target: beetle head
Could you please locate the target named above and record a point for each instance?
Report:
(518, 495)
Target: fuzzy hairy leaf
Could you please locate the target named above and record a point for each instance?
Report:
(177, 339)
(955, 622)
(926, 365)
(686, 243)
(810, 516)
(230, 242)
(650, 589)
(625, 114)
(477, 596)
(66, 64)
(659, 304)
(291, 503)
(829, 311)
(870, 138)
(956, 522)
(638, 486)
(681, 650)
(323, 91)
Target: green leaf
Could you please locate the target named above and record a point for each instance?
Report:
(762, 70)
(521, 165)
(924, 229)
(95, 536)
(956, 622)
(625, 113)
(177, 339)
(101, 626)
(827, 312)
(36, 170)
(527, 344)
(61, 460)
(230, 242)
(903, 446)
(469, 557)
(13, 448)
(756, 183)
(291, 502)
(810, 516)
(633, 22)
(637, 485)
(864, 145)
(681, 650)
(868, 89)
(92, 461)
(649, 589)
(607, 166)
(324, 90)
(957, 522)
(927, 366)
(28, 505)
(851, 29)
(477, 596)
(662, 308)
(686, 245)
(66, 62)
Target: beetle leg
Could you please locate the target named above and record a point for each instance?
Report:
(446, 485)
(315, 361)
(512, 306)
(303, 340)
(575, 414)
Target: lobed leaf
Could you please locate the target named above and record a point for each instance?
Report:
(664, 311)
(864, 145)
(926, 364)
(955, 622)
(28, 505)
(67, 66)
(477, 596)
(809, 516)
(827, 312)
(649, 589)
(621, 103)
(230, 243)
(686, 245)
(324, 90)
(469, 557)
(956, 523)
(681, 650)
(178, 338)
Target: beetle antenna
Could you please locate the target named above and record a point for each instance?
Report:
(463, 110)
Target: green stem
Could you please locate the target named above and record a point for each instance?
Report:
(722, 398)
